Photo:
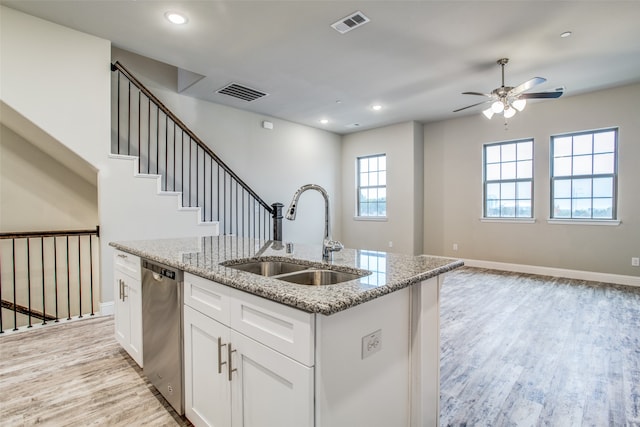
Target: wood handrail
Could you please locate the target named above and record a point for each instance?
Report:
(34, 234)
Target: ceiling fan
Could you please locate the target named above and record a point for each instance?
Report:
(509, 99)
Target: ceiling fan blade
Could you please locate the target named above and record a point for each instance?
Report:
(476, 93)
(527, 85)
(472, 105)
(541, 95)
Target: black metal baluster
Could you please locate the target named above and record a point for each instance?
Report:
(173, 188)
(13, 258)
(182, 167)
(79, 279)
(190, 172)
(166, 150)
(129, 121)
(197, 176)
(148, 135)
(237, 228)
(118, 114)
(55, 275)
(91, 273)
(157, 137)
(224, 200)
(218, 206)
(242, 215)
(68, 284)
(139, 134)
(44, 304)
(29, 280)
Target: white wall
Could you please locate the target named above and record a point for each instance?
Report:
(275, 163)
(39, 193)
(453, 187)
(59, 79)
(65, 92)
(402, 144)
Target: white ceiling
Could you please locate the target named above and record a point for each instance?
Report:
(414, 57)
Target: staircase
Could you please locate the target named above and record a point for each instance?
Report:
(179, 165)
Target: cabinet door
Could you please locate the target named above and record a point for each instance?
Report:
(121, 309)
(207, 386)
(269, 389)
(128, 314)
(133, 297)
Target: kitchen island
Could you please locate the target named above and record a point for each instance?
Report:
(361, 352)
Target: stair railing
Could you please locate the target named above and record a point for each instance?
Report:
(47, 276)
(165, 146)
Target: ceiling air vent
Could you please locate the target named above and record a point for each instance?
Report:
(350, 22)
(241, 92)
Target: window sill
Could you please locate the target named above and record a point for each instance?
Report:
(614, 222)
(370, 218)
(510, 220)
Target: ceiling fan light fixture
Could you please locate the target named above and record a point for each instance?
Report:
(497, 107)
(488, 113)
(519, 104)
(509, 112)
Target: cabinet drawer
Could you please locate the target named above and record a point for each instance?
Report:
(127, 263)
(282, 328)
(209, 298)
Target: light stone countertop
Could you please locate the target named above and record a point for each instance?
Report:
(202, 256)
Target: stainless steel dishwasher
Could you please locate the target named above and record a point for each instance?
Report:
(162, 331)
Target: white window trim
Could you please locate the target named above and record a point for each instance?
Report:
(370, 218)
(509, 220)
(573, 221)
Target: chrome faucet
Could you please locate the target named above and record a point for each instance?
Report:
(328, 246)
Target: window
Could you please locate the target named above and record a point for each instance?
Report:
(372, 186)
(584, 175)
(508, 179)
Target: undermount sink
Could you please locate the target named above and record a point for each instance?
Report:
(297, 273)
(320, 277)
(269, 268)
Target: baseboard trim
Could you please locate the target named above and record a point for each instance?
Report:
(107, 308)
(618, 279)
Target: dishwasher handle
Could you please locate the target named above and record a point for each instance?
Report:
(159, 270)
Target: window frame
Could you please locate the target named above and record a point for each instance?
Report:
(516, 180)
(359, 187)
(553, 178)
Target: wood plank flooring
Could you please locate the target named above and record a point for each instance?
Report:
(76, 374)
(524, 350)
(517, 350)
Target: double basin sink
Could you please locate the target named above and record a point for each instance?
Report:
(297, 273)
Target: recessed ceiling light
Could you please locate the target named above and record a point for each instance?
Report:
(324, 121)
(376, 107)
(176, 18)
(566, 34)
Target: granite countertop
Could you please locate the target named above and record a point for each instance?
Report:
(202, 256)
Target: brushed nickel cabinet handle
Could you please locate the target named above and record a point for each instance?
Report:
(220, 362)
(124, 295)
(230, 352)
(122, 256)
(120, 282)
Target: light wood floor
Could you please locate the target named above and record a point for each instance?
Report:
(517, 350)
(523, 350)
(76, 374)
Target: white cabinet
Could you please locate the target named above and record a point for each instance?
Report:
(253, 362)
(231, 379)
(207, 387)
(128, 303)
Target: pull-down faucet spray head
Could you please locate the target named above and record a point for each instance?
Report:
(328, 246)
